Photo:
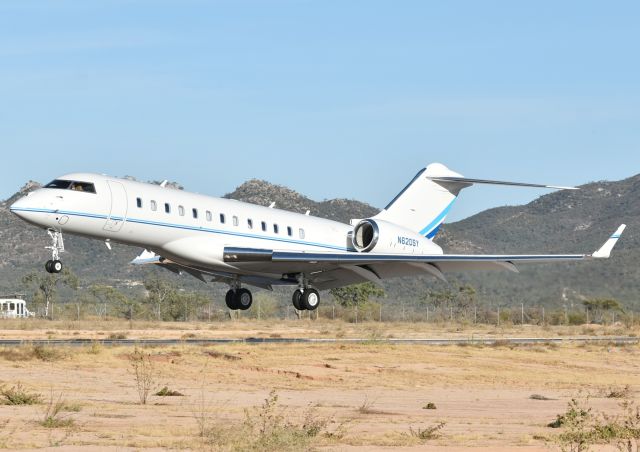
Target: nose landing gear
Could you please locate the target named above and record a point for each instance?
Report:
(54, 265)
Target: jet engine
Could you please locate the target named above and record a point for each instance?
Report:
(381, 236)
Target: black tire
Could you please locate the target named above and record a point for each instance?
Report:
(310, 299)
(243, 299)
(297, 296)
(56, 267)
(230, 299)
(48, 266)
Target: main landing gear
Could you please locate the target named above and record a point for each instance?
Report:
(239, 298)
(306, 299)
(54, 265)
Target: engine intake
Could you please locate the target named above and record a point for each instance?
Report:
(366, 235)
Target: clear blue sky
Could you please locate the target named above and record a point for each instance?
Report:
(331, 98)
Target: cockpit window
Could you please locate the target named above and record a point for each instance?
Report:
(72, 185)
(58, 183)
(83, 186)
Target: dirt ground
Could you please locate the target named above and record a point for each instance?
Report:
(367, 396)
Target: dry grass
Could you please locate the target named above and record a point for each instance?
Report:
(56, 412)
(29, 352)
(60, 329)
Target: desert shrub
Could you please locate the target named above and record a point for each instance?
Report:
(577, 318)
(539, 397)
(166, 392)
(143, 372)
(583, 428)
(117, 335)
(18, 395)
(95, 348)
(47, 353)
(618, 393)
(56, 413)
(429, 406)
(267, 428)
(367, 407)
(427, 433)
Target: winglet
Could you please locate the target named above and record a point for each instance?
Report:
(605, 250)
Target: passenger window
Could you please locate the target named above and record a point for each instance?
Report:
(289, 231)
(209, 216)
(250, 223)
(167, 207)
(222, 218)
(235, 220)
(301, 233)
(154, 206)
(181, 211)
(264, 226)
(195, 213)
(275, 228)
(139, 202)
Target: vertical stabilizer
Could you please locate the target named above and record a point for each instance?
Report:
(424, 204)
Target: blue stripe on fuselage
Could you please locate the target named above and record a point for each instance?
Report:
(180, 226)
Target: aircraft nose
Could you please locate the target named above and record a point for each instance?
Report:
(20, 207)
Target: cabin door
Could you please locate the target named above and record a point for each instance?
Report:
(118, 213)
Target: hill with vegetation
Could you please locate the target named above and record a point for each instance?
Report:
(564, 221)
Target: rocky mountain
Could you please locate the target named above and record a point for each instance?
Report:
(263, 193)
(565, 221)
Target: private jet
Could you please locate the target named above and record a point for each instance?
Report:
(244, 244)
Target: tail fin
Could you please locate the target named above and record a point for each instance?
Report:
(424, 204)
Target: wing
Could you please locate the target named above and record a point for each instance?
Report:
(328, 270)
(261, 267)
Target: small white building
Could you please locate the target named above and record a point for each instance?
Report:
(13, 308)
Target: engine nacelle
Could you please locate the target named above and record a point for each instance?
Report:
(380, 236)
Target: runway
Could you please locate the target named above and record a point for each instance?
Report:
(614, 340)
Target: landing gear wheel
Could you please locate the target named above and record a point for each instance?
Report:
(48, 266)
(243, 299)
(310, 299)
(56, 266)
(230, 299)
(297, 296)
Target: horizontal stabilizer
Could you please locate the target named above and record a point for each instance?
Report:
(605, 250)
(467, 181)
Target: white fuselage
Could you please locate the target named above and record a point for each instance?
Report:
(187, 228)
